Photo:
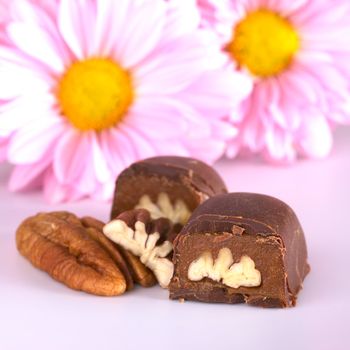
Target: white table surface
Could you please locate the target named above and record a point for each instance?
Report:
(38, 313)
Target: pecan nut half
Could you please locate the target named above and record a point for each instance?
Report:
(59, 244)
(141, 274)
(94, 230)
(148, 239)
(129, 264)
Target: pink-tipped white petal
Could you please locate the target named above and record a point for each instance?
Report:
(233, 148)
(173, 68)
(172, 147)
(3, 149)
(159, 118)
(41, 14)
(42, 48)
(23, 176)
(104, 191)
(56, 192)
(216, 93)
(87, 181)
(33, 141)
(69, 158)
(31, 84)
(223, 130)
(279, 145)
(111, 17)
(117, 149)
(99, 162)
(189, 117)
(315, 137)
(143, 146)
(70, 26)
(22, 111)
(183, 17)
(133, 46)
(210, 150)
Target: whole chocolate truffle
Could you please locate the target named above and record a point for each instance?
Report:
(240, 247)
(167, 186)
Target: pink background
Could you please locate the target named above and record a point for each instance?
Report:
(39, 313)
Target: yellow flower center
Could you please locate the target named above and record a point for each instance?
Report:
(264, 42)
(94, 94)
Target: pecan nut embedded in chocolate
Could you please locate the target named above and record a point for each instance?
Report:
(234, 275)
(177, 212)
(148, 239)
(167, 186)
(59, 244)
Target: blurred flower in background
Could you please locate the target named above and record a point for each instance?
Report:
(297, 55)
(88, 87)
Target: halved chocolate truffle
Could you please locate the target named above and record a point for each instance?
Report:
(167, 186)
(240, 247)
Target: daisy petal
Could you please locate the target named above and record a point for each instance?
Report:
(23, 176)
(184, 17)
(41, 48)
(31, 84)
(279, 145)
(69, 24)
(69, 159)
(315, 137)
(104, 191)
(232, 149)
(118, 150)
(158, 118)
(173, 68)
(209, 150)
(33, 141)
(224, 130)
(142, 146)
(3, 149)
(42, 15)
(14, 114)
(216, 93)
(174, 147)
(133, 46)
(55, 192)
(101, 169)
(110, 19)
(87, 181)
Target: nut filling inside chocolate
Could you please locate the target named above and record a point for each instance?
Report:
(143, 245)
(234, 275)
(177, 212)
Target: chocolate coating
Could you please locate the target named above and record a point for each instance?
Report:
(181, 178)
(261, 227)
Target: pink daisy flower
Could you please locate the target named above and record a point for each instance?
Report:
(88, 87)
(297, 55)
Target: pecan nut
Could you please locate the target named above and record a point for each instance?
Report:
(94, 230)
(141, 274)
(59, 244)
(136, 232)
(129, 264)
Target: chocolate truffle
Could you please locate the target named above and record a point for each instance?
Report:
(167, 186)
(240, 248)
